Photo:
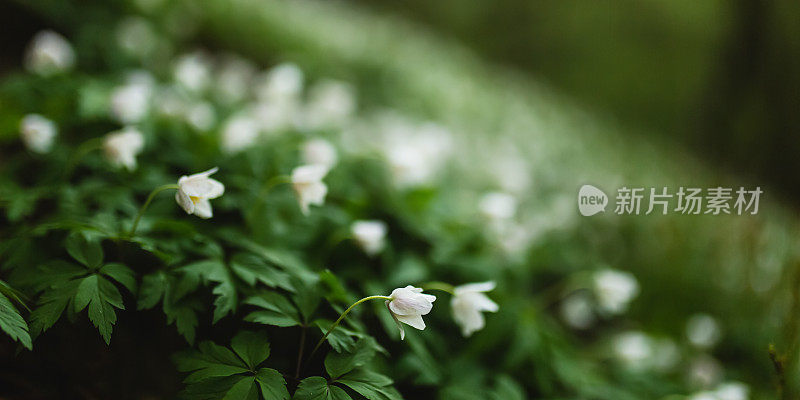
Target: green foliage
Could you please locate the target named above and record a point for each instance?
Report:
(217, 372)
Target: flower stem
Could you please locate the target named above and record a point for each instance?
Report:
(445, 287)
(341, 317)
(81, 151)
(272, 182)
(147, 203)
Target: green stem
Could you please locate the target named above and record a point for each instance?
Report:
(274, 181)
(341, 317)
(445, 287)
(147, 203)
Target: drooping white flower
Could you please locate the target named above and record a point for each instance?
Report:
(193, 72)
(49, 53)
(408, 305)
(130, 102)
(38, 133)
(633, 348)
(239, 133)
(577, 311)
(370, 235)
(308, 185)
(195, 191)
(498, 206)
(468, 303)
(319, 151)
(330, 104)
(121, 147)
(283, 82)
(614, 290)
(703, 331)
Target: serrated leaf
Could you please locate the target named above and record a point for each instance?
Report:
(252, 347)
(275, 310)
(338, 364)
(340, 339)
(371, 385)
(87, 252)
(12, 323)
(210, 361)
(224, 291)
(272, 384)
(245, 389)
(252, 269)
(153, 288)
(317, 388)
(121, 274)
(51, 305)
(101, 297)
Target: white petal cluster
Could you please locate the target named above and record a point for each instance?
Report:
(282, 83)
(130, 102)
(703, 331)
(308, 185)
(633, 348)
(370, 235)
(121, 147)
(195, 191)
(193, 72)
(577, 311)
(49, 53)
(38, 133)
(724, 391)
(233, 79)
(614, 290)
(498, 206)
(319, 151)
(330, 104)
(201, 116)
(408, 305)
(468, 303)
(415, 153)
(239, 133)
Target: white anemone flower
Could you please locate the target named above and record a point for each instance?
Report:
(308, 185)
(319, 151)
(129, 103)
(408, 305)
(38, 133)
(193, 71)
(614, 290)
(195, 191)
(239, 133)
(703, 331)
(468, 302)
(370, 236)
(284, 82)
(49, 53)
(633, 348)
(234, 79)
(201, 116)
(732, 391)
(577, 311)
(330, 104)
(121, 147)
(498, 206)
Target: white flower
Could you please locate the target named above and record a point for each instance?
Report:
(703, 331)
(468, 302)
(319, 151)
(415, 153)
(49, 53)
(234, 78)
(273, 116)
(308, 185)
(283, 82)
(129, 103)
(614, 290)
(239, 133)
(201, 116)
(732, 391)
(38, 133)
(577, 311)
(408, 305)
(121, 147)
(330, 104)
(633, 348)
(195, 191)
(370, 235)
(704, 371)
(498, 206)
(193, 71)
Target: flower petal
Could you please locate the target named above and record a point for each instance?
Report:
(414, 321)
(476, 287)
(202, 208)
(184, 201)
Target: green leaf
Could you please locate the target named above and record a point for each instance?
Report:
(121, 274)
(12, 323)
(341, 339)
(338, 364)
(272, 384)
(317, 388)
(153, 288)
(225, 290)
(507, 389)
(87, 252)
(275, 310)
(52, 304)
(101, 296)
(210, 361)
(245, 389)
(371, 385)
(252, 269)
(179, 309)
(252, 347)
